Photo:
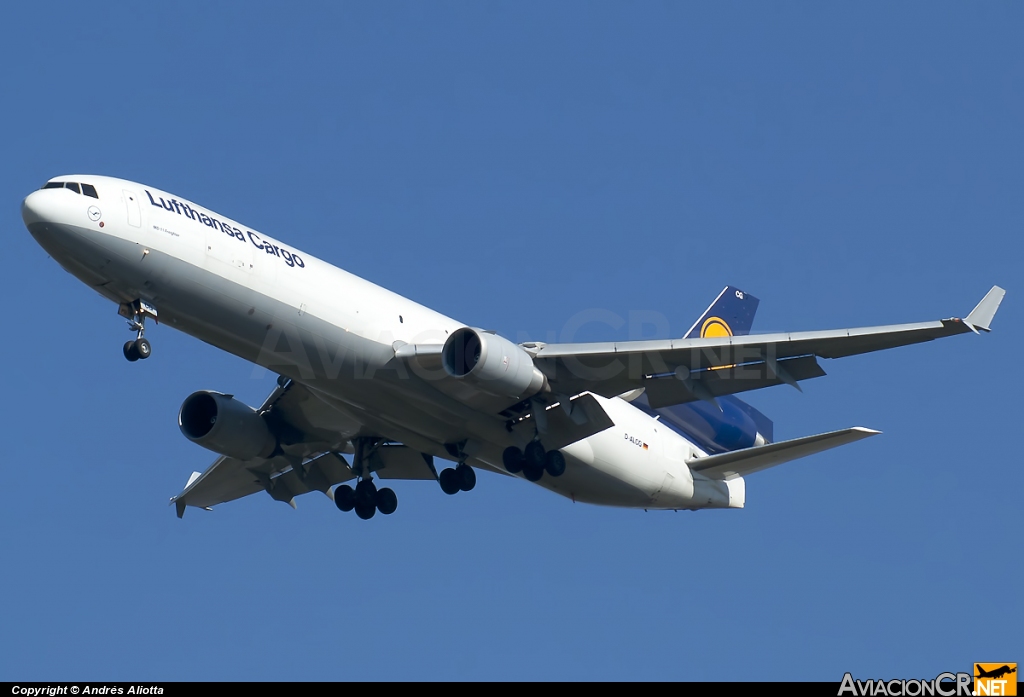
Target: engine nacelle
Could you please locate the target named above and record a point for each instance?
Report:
(221, 423)
(492, 364)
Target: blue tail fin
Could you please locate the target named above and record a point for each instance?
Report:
(736, 424)
(731, 314)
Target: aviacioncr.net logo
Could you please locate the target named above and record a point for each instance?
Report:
(995, 679)
(943, 685)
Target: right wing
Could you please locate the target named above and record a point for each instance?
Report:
(313, 436)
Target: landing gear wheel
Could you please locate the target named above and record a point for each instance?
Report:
(365, 510)
(449, 481)
(129, 351)
(466, 477)
(366, 495)
(512, 458)
(142, 348)
(534, 454)
(554, 463)
(533, 473)
(387, 501)
(344, 498)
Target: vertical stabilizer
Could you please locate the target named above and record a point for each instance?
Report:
(731, 314)
(731, 424)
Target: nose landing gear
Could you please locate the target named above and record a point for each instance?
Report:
(136, 313)
(138, 349)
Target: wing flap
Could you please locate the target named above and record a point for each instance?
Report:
(740, 463)
(564, 424)
(401, 462)
(226, 479)
(670, 390)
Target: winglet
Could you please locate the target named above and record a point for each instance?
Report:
(981, 316)
(179, 505)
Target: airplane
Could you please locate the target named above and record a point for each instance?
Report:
(376, 388)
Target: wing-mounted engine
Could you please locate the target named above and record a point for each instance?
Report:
(221, 423)
(487, 369)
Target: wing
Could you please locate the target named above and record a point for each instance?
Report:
(312, 438)
(739, 463)
(684, 370)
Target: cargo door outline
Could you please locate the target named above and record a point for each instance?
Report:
(222, 249)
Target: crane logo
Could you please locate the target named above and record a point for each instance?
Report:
(715, 327)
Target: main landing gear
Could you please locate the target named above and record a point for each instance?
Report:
(456, 479)
(366, 499)
(459, 478)
(136, 313)
(534, 461)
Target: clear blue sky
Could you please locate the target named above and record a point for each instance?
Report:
(513, 164)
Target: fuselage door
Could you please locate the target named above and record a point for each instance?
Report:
(131, 201)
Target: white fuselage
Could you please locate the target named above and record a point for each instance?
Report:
(256, 297)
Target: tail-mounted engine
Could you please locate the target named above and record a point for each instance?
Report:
(221, 423)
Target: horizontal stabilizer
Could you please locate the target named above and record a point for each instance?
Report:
(981, 316)
(739, 463)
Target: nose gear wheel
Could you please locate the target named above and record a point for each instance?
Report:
(136, 313)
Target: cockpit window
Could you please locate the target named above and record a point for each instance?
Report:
(87, 189)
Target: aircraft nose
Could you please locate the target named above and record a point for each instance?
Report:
(34, 208)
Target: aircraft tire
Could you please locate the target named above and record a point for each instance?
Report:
(129, 351)
(533, 473)
(449, 482)
(143, 349)
(344, 498)
(554, 463)
(387, 501)
(512, 458)
(466, 477)
(364, 510)
(366, 493)
(534, 455)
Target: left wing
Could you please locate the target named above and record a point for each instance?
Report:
(684, 370)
